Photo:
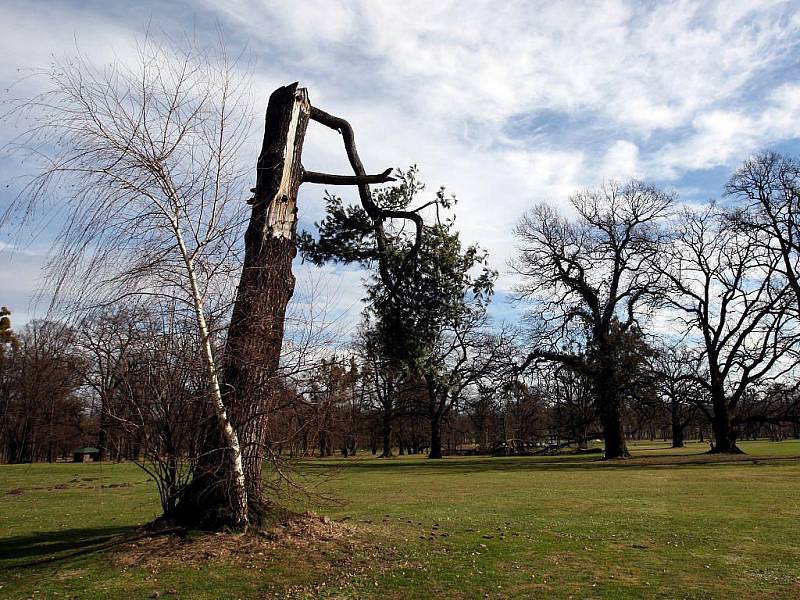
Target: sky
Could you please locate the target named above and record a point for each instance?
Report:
(507, 104)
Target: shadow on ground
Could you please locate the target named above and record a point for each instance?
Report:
(49, 546)
(458, 465)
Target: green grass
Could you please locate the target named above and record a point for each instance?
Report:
(666, 524)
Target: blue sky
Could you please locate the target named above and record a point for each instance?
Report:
(506, 103)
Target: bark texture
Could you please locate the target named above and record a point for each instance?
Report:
(613, 433)
(724, 431)
(255, 335)
(678, 426)
(436, 437)
(386, 435)
(607, 384)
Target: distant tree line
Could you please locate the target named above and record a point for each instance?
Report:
(139, 401)
(647, 320)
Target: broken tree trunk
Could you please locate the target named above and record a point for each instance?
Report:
(255, 335)
(250, 379)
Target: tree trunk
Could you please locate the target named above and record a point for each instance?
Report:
(677, 435)
(722, 426)
(613, 434)
(255, 335)
(677, 426)
(102, 435)
(609, 405)
(323, 445)
(436, 437)
(387, 435)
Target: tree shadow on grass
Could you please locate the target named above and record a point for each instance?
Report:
(53, 546)
(458, 465)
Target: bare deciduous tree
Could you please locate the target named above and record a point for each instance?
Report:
(768, 189)
(733, 302)
(139, 166)
(159, 397)
(40, 401)
(384, 379)
(105, 338)
(676, 367)
(588, 277)
(462, 354)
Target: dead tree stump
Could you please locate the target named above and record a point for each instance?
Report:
(255, 336)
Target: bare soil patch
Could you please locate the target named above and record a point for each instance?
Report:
(255, 548)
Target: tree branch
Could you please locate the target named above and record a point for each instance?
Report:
(375, 213)
(330, 179)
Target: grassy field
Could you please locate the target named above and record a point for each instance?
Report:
(664, 524)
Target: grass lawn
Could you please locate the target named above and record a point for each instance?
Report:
(665, 524)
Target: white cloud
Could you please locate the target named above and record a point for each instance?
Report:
(622, 161)
(640, 68)
(615, 90)
(32, 39)
(719, 137)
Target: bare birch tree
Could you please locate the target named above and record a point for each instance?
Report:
(138, 170)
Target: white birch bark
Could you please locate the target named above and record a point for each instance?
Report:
(228, 432)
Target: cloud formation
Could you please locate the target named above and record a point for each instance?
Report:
(507, 103)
